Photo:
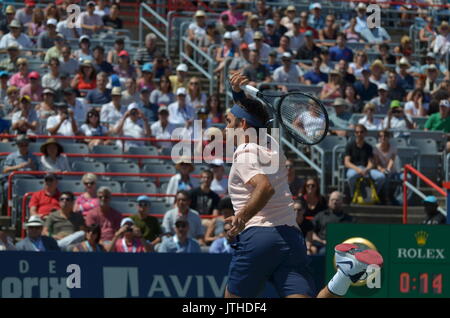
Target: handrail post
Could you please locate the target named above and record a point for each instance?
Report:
(405, 191)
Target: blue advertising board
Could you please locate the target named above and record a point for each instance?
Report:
(118, 275)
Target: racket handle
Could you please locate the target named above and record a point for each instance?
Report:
(250, 90)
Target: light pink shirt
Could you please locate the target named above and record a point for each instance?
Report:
(18, 80)
(279, 210)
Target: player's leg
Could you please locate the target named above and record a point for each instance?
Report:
(352, 263)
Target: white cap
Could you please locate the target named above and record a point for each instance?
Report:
(445, 103)
(316, 5)
(133, 106)
(227, 35)
(217, 162)
(382, 86)
(34, 220)
(361, 6)
(181, 91)
(125, 221)
(52, 22)
(286, 55)
(403, 61)
(182, 67)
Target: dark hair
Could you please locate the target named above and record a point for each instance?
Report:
(100, 48)
(287, 37)
(361, 126)
(256, 109)
(69, 194)
(211, 174)
(54, 59)
(316, 181)
(342, 34)
(93, 74)
(166, 78)
(95, 229)
(185, 193)
(208, 103)
(385, 132)
(116, 4)
(92, 111)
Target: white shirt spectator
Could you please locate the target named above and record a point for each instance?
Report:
(441, 44)
(195, 222)
(48, 80)
(110, 114)
(63, 29)
(134, 130)
(199, 32)
(198, 102)
(32, 116)
(60, 164)
(238, 39)
(91, 20)
(361, 24)
(89, 131)
(23, 41)
(377, 123)
(415, 111)
(180, 116)
(375, 35)
(220, 187)
(397, 124)
(292, 76)
(79, 110)
(64, 130)
(163, 133)
(263, 52)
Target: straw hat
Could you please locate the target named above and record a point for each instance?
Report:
(51, 141)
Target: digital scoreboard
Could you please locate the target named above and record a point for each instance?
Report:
(416, 258)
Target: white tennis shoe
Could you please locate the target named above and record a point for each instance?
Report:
(353, 261)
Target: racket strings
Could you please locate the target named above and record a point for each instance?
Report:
(304, 118)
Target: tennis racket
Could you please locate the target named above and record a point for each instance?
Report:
(303, 116)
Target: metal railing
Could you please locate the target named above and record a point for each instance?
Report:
(407, 185)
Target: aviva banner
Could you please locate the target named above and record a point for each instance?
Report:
(118, 275)
(416, 259)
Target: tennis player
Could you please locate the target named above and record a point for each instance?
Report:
(268, 244)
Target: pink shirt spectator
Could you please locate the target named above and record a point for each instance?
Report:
(135, 247)
(87, 204)
(35, 94)
(247, 163)
(233, 18)
(141, 85)
(18, 80)
(109, 222)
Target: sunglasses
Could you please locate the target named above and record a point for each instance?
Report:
(50, 180)
(65, 199)
(310, 185)
(181, 226)
(89, 183)
(92, 115)
(104, 197)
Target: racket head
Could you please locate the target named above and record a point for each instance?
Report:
(303, 116)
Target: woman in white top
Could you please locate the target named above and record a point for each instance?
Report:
(359, 64)
(369, 121)
(53, 160)
(441, 45)
(92, 127)
(415, 106)
(386, 160)
(195, 97)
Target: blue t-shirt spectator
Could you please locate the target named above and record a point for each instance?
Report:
(220, 246)
(272, 67)
(407, 83)
(97, 97)
(316, 78)
(173, 245)
(368, 93)
(337, 54)
(5, 126)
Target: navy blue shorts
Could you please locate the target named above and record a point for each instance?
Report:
(270, 254)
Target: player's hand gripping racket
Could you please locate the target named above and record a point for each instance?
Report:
(303, 116)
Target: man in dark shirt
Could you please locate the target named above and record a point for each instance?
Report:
(309, 49)
(100, 64)
(431, 209)
(395, 91)
(256, 72)
(305, 225)
(101, 95)
(315, 76)
(203, 199)
(112, 20)
(149, 225)
(359, 160)
(334, 214)
(365, 88)
(342, 67)
(295, 182)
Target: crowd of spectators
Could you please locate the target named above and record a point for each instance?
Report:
(50, 86)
